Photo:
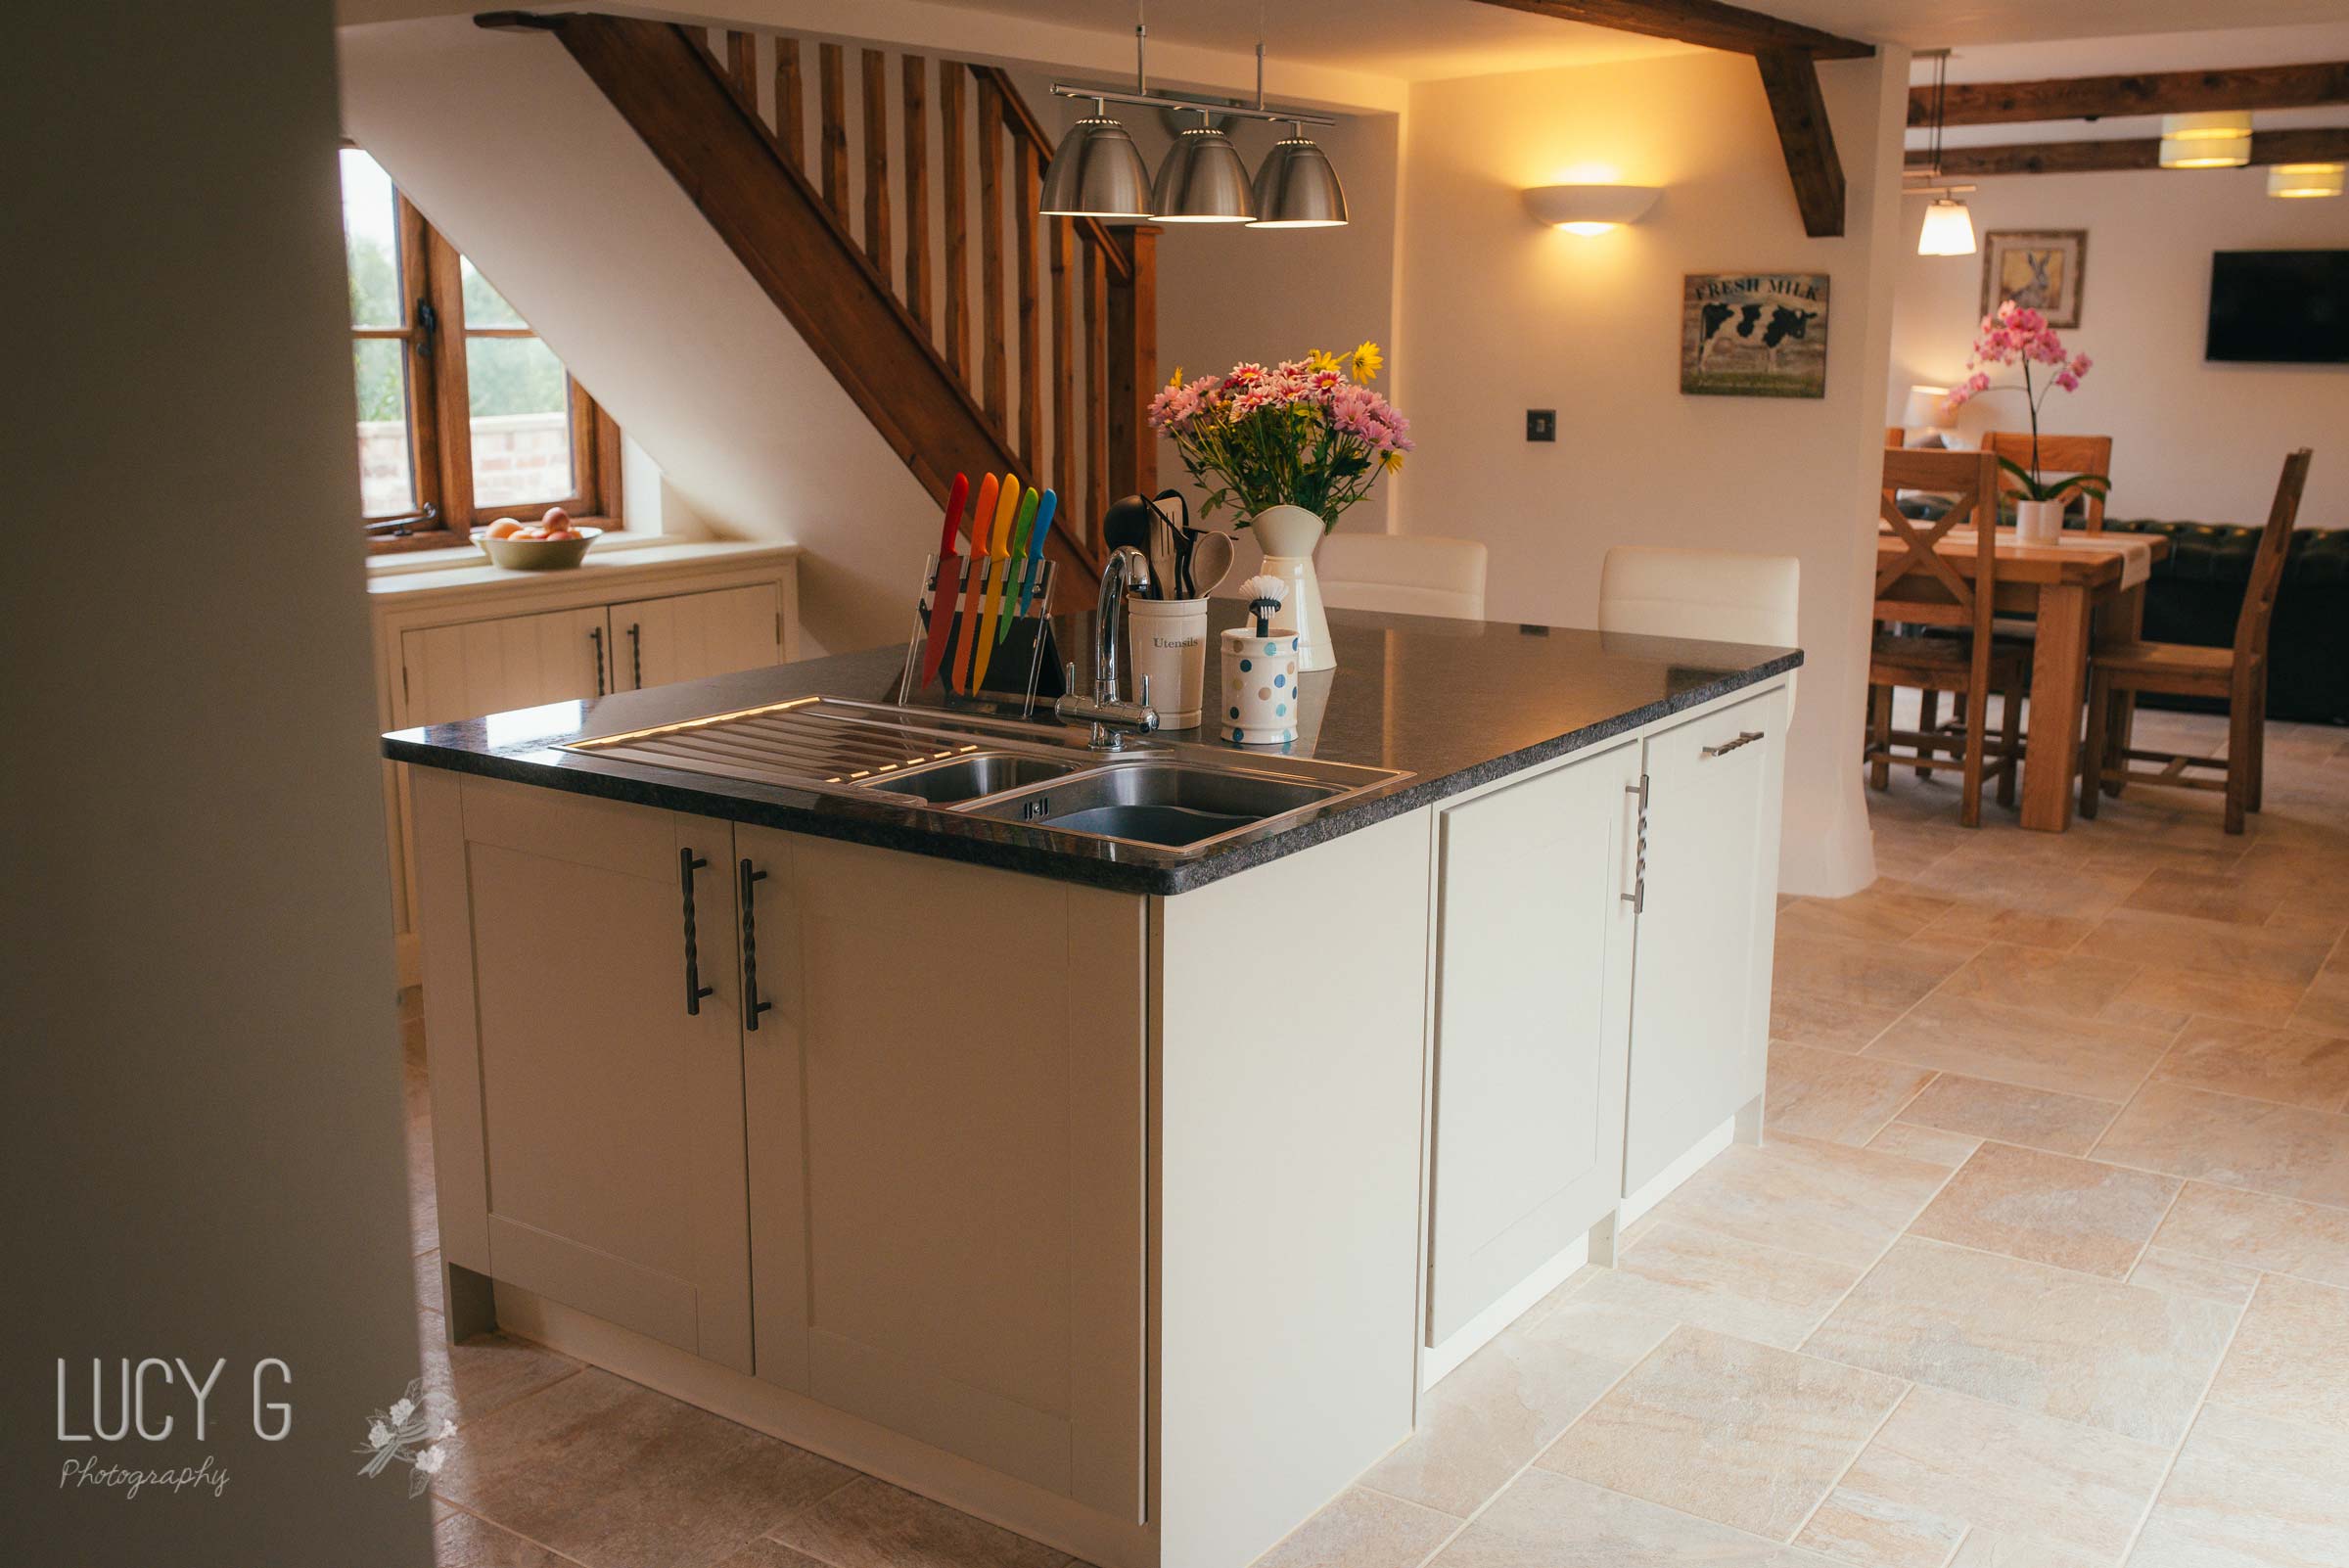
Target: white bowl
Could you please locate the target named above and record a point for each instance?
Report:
(536, 555)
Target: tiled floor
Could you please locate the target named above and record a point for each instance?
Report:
(2045, 1265)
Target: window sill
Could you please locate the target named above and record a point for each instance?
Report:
(388, 562)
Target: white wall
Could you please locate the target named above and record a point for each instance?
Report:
(1500, 315)
(203, 1148)
(2191, 439)
(509, 148)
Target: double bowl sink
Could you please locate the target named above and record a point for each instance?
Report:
(1177, 798)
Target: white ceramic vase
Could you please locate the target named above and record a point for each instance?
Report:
(2039, 522)
(1288, 536)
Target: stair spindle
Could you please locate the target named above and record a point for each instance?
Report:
(958, 261)
(742, 67)
(1097, 395)
(1029, 196)
(876, 159)
(791, 114)
(917, 189)
(833, 87)
(1064, 359)
(994, 395)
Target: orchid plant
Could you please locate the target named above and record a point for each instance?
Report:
(2017, 334)
(1306, 433)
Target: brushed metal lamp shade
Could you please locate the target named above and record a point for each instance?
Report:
(1097, 173)
(1296, 188)
(1203, 180)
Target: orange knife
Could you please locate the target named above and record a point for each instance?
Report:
(968, 619)
(993, 613)
(999, 545)
(942, 590)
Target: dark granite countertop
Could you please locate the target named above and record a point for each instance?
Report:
(1451, 702)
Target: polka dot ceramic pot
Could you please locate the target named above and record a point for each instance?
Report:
(1257, 702)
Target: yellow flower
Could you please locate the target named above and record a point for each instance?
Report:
(1392, 462)
(1369, 363)
(1176, 380)
(1320, 359)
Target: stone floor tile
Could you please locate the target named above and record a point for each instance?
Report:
(1545, 1520)
(2061, 1123)
(1364, 1529)
(2250, 1493)
(1988, 1040)
(871, 1524)
(2282, 1149)
(2049, 1208)
(1831, 1095)
(2023, 1334)
(2289, 1066)
(2290, 1356)
(1743, 1434)
(2259, 1231)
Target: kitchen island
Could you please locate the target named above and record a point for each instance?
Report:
(787, 1056)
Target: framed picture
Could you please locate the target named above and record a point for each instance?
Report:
(1754, 335)
(2038, 268)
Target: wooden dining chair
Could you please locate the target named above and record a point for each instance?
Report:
(2058, 455)
(2239, 674)
(1972, 665)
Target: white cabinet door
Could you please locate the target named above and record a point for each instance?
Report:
(609, 1112)
(947, 1156)
(685, 636)
(1533, 975)
(1700, 1003)
(488, 666)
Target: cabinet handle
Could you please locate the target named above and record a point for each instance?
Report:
(1745, 738)
(1638, 896)
(752, 1006)
(687, 864)
(595, 635)
(636, 657)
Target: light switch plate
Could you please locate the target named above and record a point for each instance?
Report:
(1540, 424)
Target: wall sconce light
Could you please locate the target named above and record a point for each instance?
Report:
(1591, 208)
(2298, 180)
(2219, 139)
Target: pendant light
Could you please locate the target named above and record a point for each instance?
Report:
(2218, 139)
(2301, 180)
(1949, 227)
(1296, 188)
(1203, 180)
(1097, 173)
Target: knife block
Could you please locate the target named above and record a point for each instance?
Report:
(1026, 663)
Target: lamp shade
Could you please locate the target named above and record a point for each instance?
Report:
(1296, 188)
(1097, 173)
(2221, 125)
(2206, 152)
(1590, 208)
(1928, 409)
(1203, 180)
(2305, 179)
(1948, 229)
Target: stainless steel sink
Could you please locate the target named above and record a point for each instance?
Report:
(1172, 803)
(970, 777)
(1165, 798)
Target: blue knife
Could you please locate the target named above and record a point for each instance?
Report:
(1035, 549)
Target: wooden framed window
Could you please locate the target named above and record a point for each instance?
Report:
(465, 414)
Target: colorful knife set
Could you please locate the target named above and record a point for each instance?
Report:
(998, 578)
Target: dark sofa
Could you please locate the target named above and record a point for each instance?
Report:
(2196, 593)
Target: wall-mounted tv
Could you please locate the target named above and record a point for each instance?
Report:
(2280, 308)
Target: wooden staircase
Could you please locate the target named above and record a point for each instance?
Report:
(725, 112)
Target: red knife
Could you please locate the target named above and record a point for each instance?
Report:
(942, 591)
(981, 521)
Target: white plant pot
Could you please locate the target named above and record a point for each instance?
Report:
(2039, 522)
(1288, 535)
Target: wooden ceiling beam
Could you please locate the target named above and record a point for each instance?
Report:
(2327, 146)
(2170, 92)
(1706, 22)
(1790, 80)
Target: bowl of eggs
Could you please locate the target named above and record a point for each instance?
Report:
(550, 544)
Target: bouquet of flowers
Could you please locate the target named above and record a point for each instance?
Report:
(1306, 433)
(2020, 335)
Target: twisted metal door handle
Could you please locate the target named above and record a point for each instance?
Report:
(752, 1006)
(595, 635)
(1745, 738)
(687, 864)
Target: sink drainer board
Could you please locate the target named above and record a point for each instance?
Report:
(807, 742)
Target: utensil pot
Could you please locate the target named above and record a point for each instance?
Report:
(1169, 646)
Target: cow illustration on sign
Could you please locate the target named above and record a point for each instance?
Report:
(1754, 335)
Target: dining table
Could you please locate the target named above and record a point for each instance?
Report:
(2082, 588)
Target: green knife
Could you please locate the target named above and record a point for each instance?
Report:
(1018, 552)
